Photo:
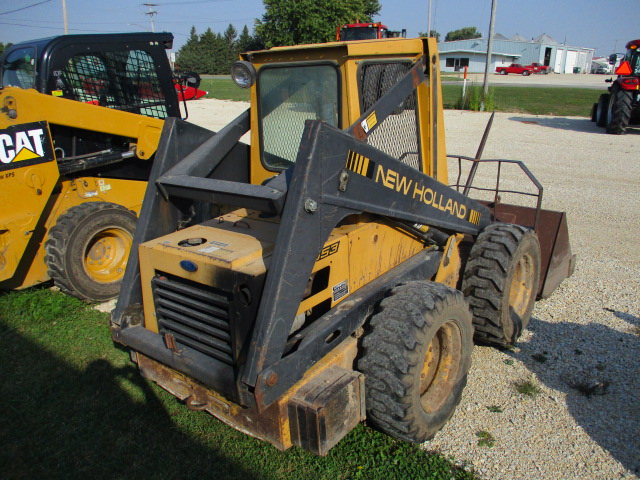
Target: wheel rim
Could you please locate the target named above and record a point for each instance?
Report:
(106, 255)
(522, 286)
(441, 366)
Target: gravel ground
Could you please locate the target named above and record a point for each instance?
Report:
(587, 333)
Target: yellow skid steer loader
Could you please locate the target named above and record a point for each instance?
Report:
(328, 273)
(80, 121)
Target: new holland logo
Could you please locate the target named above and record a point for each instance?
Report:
(25, 144)
(360, 164)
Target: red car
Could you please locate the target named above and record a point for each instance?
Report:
(515, 68)
(539, 68)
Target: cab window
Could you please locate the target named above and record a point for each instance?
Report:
(18, 69)
(287, 97)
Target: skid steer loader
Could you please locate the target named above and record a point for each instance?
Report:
(327, 274)
(73, 173)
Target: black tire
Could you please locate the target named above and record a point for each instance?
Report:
(500, 282)
(619, 111)
(594, 109)
(88, 249)
(503, 72)
(601, 110)
(417, 353)
(526, 73)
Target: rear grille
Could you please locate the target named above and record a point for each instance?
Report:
(196, 315)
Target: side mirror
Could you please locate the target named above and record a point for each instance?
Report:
(613, 58)
(190, 79)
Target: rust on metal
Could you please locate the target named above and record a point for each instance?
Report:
(358, 132)
(557, 261)
(272, 379)
(170, 342)
(271, 424)
(193, 403)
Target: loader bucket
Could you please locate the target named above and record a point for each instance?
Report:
(557, 262)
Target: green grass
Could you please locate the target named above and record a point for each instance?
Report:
(527, 388)
(564, 102)
(531, 100)
(485, 439)
(224, 89)
(74, 406)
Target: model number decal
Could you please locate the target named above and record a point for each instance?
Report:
(329, 250)
(7, 175)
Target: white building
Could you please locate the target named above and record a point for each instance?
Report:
(454, 56)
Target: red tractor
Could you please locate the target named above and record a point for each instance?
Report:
(366, 31)
(621, 106)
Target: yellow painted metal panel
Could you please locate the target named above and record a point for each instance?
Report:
(31, 106)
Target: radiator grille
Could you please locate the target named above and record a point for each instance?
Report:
(196, 315)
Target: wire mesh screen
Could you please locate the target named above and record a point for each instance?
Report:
(398, 134)
(288, 96)
(123, 80)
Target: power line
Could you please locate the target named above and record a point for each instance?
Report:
(186, 3)
(49, 22)
(24, 8)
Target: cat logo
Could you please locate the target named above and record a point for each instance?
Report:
(24, 145)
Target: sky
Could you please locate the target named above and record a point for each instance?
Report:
(605, 25)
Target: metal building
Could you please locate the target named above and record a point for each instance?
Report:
(454, 56)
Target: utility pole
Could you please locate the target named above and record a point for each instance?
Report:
(64, 16)
(151, 13)
(489, 48)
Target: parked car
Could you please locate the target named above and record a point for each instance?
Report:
(539, 68)
(515, 68)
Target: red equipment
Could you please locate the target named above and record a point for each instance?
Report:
(366, 31)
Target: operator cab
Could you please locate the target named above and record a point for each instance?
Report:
(120, 71)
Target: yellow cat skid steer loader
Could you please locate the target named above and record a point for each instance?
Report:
(327, 274)
(72, 172)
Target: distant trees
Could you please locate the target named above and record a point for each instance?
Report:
(214, 53)
(4, 46)
(465, 33)
(285, 22)
(292, 22)
(432, 33)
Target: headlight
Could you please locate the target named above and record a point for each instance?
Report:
(243, 74)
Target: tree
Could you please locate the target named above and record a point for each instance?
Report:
(189, 57)
(230, 35)
(432, 33)
(213, 53)
(292, 22)
(247, 42)
(465, 33)
(244, 40)
(4, 46)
